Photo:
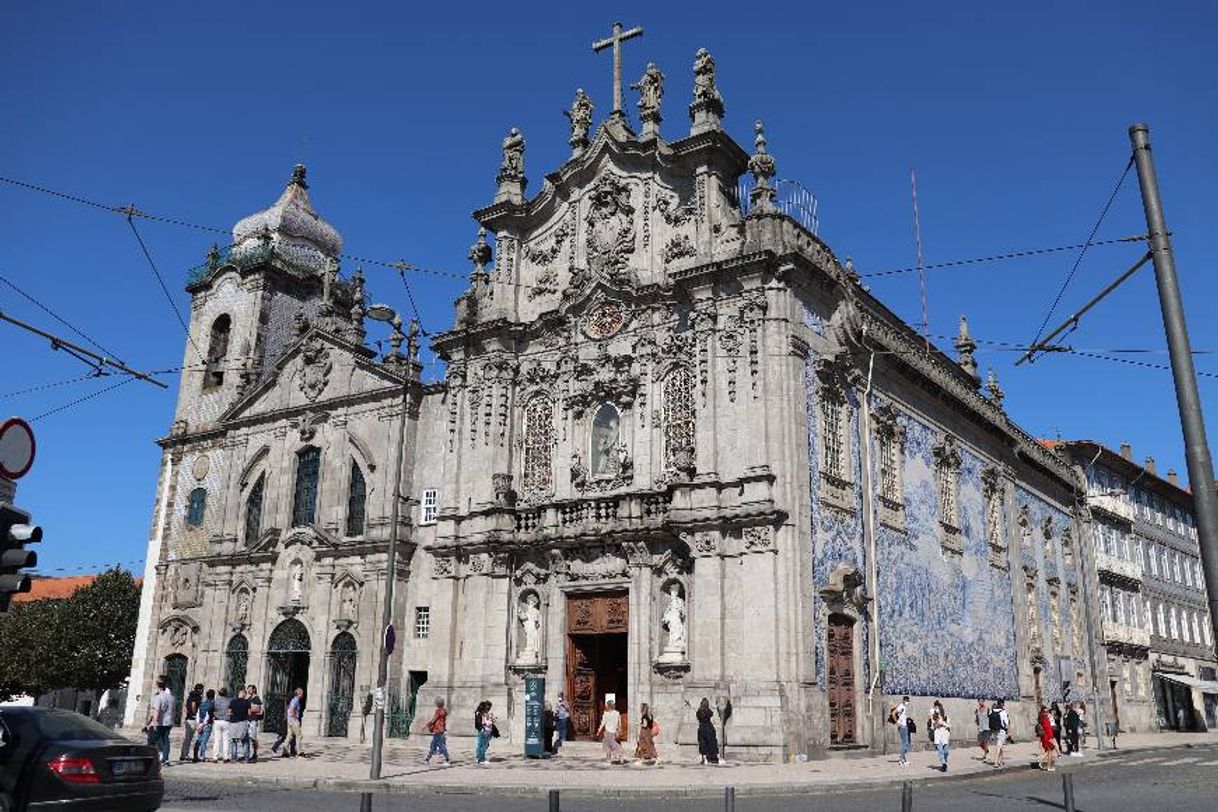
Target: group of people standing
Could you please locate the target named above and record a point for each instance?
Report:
(1060, 732)
(230, 724)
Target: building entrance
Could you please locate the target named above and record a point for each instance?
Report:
(840, 672)
(288, 669)
(597, 637)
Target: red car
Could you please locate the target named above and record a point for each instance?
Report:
(57, 759)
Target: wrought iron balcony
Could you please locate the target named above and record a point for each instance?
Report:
(247, 257)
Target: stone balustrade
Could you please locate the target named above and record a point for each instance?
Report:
(1127, 635)
(1119, 567)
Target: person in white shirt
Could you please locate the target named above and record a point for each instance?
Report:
(610, 721)
(901, 712)
(941, 726)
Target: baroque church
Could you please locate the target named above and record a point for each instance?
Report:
(679, 451)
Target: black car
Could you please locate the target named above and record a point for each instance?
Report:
(57, 759)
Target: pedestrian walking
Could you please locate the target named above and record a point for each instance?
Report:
(1048, 749)
(547, 730)
(294, 714)
(1072, 725)
(203, 724)
(900, 717)
(1082, 726)
(645, 750)
(219, 748)
(611, 719)
(562, 720)
(942, 733)
(982, 715)
(255, 719)
(239, 726)
(1055, 717)
(160, 718)
(190, 718)
(708, 741)
(1000, 722)
(484, 725)
(438, 727)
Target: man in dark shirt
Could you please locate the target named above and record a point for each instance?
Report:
(238, 726)
(255, 716)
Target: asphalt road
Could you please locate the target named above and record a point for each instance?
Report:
(1178, 780)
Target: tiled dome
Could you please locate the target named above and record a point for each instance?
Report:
(293, 227)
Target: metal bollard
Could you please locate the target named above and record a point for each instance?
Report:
(907, 796)
(365, 802)
(1068, 791)
(554, 801)
(729, 799)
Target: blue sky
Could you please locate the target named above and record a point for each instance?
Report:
(1014, 116)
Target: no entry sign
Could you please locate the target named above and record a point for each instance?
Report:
(16, 448)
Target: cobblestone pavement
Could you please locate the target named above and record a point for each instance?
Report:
(1178, 779)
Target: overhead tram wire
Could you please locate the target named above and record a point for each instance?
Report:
(1083, 251)
(59, 319)
(80, 400)
(131, 211)
(29, 390)
(464, 277)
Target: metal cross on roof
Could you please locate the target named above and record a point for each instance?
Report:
(619, 36)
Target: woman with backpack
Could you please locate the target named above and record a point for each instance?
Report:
(941, 733)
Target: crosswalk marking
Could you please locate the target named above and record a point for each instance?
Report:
(1181, 761)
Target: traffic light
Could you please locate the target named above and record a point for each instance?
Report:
(15, 532)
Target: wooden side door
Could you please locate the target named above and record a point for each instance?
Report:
(840, 677)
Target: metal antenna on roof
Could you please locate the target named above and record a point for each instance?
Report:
(913, 182)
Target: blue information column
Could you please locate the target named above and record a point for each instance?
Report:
(534, 716)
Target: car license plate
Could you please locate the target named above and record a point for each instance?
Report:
(123, 767)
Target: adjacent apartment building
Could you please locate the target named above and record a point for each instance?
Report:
(1152, 599)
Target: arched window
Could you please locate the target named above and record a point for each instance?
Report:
(253, 511)
(603, 441)
(357, 499)
(678, 419)
(217, 352)
(236, 659)
(304, 502)
(538, 478)
(197, 507)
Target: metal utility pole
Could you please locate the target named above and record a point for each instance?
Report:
(1196, 448)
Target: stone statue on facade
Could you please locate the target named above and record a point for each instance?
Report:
(706, 111)
(625, 465)
(511, 169)
(651, 91)
(529, 615)
(580, 116)
(674, 623)
(243, 608)
(579, 474)
(296, 581)
(348, 602)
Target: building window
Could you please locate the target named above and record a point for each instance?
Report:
(357, 501)
(678, 421)
(947, 485)
(429, 506)
(1161, 619)
(604, 456)
(890, 442)
(304, 501)
(197, 507)
(217, 352)
(422, 622)
(1174, 624)
(538, 479)
(834, 444)
(253, 511)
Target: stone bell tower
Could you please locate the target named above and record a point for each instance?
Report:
(250, 300)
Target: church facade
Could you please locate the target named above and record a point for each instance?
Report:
(679, 451)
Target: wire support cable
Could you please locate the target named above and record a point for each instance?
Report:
(59, 318)
(161, 281)
(80, 400)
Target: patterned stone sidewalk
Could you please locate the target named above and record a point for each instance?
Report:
(341, 766)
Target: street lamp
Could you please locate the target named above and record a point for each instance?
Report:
(381, 312)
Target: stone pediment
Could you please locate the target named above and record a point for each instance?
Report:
(310, 536)
(317, 368)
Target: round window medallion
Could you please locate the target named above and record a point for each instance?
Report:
(605, 320)
(201, 467)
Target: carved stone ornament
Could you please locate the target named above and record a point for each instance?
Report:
(179, 635)
(610, 233)
(845, 587)
(442, 567)
(704, 542)
(605, 320)
(315, 368)
(307, 424)
(502, 484)
(758, 539)
(595, 564)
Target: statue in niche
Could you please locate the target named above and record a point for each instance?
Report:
(243, 607)
(579, 474)
(674, 623)
(606, 433)
(296, 581)
(625, 465)
(348, 601)
(529, 615)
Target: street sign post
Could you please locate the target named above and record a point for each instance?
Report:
(16, 448)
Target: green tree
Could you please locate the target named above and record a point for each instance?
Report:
(83, 642)
(98, 624)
